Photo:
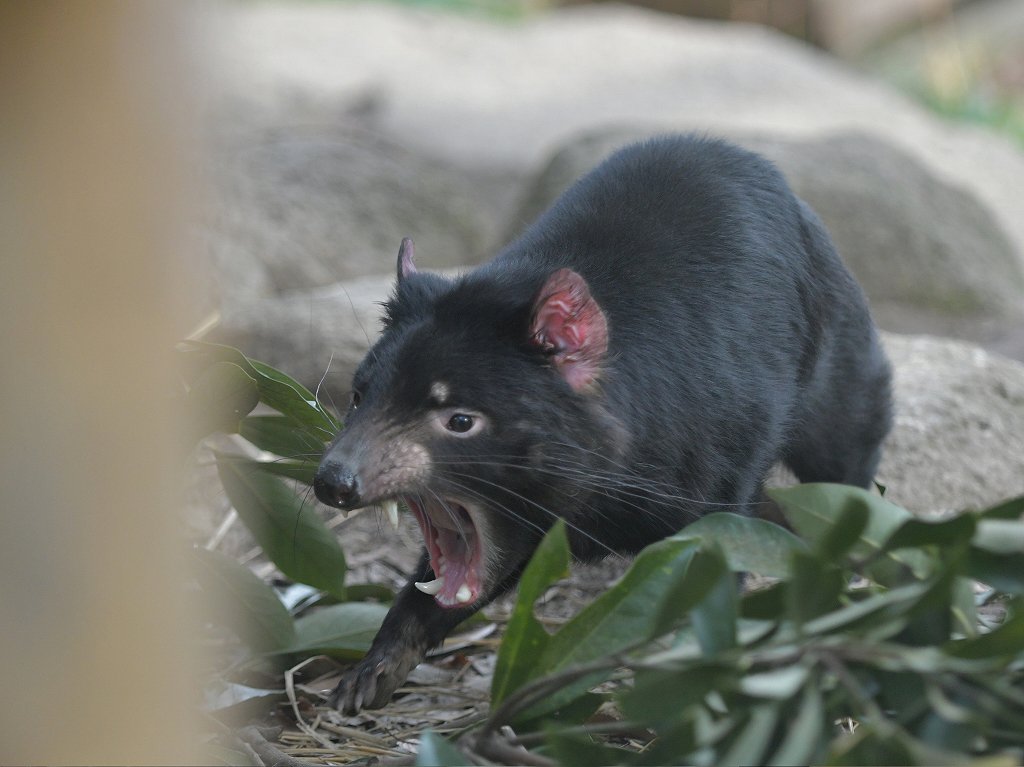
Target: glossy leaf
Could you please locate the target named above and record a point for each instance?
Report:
(750, 741)
(805, 732)
(843, 534)
(300, 471)
(1004, 572)
(918, 532)
(1000, 536)
(812, 509)
(278, 434)
(666, 581)
(286, 525)
(814, 588)
(220, 398)
(249, 606)
(342, 631)
(525, 637)
(659, 696)
(276, 389)
(714, 617)
(750, 545)
(1011, 509)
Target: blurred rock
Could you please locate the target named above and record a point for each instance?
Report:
(298, 208)
(849, 28)
(958, 440)
(503, 96)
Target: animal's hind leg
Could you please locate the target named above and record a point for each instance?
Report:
(843, 422)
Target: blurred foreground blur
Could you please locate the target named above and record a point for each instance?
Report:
(94, 635)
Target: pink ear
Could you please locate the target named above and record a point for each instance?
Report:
(568, 322)
(406, 254)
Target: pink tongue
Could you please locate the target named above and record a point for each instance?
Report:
(456, 569)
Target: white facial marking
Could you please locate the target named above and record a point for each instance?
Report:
(439, 392)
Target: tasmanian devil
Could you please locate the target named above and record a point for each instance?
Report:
(672, 326)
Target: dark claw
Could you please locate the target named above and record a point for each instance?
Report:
(372, 681)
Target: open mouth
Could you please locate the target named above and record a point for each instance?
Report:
(455, 547)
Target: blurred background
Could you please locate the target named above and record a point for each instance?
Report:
(245, 171)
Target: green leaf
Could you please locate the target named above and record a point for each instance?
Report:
(876, 609)
(222, 395)
(917, 532)
(964, 608)
(435, 751)
(525, 638)
(843, 534)
(278, 434)
(249, 606)
(1007, 639)
(766, 604)
(1011, 509)
(803, 741)
(749, 742)
(287, 527)
(714, 617)
(777, 684)
(1004, 572)
(664, 583)
(814, 588)
(750, 545)
(300, 471)
(276, 389)
(659, 697)
(342, 631)
(1000, 536)
(812, 509)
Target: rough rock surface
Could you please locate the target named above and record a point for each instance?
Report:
(304, 207)
(503, 95)
(958, 440)
(926, 252)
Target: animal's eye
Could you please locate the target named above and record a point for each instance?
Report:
(460, 423)
(354, 399)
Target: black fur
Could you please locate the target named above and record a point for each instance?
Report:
(736, 338)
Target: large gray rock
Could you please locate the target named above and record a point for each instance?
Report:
(304, 207)
(928, 254)
(958, 439)
(316, 336)
(505, 95)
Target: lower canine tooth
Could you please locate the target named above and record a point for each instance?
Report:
(431, 587)
(463, 595)
(391, 510)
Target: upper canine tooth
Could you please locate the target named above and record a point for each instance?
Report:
(430, 587)
(463, 595)
(391, 510)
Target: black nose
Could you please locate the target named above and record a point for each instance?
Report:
(336, 485)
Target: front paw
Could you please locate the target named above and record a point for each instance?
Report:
(371, 682)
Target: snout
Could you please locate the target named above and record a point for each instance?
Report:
(336, 484)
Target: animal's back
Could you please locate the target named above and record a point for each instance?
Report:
(734, 328)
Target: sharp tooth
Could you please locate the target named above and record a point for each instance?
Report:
(391, 510)
(430, 587)
(463, 595)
